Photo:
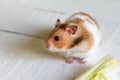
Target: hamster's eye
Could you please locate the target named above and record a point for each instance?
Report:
(56, 38)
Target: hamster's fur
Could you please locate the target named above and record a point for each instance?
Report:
(76, 38)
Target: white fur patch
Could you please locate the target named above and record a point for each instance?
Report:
(52, 48)
(55, 49)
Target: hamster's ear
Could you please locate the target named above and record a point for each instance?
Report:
(72, 30)
(58, 22)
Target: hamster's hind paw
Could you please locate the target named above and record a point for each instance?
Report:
(69, 60)
(82, 61)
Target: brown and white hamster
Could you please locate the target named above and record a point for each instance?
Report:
(76, 38)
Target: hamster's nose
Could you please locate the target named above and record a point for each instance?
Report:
(47, 45)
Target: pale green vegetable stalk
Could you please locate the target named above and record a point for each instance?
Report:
(107, 69)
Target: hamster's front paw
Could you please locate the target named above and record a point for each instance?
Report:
(69, 60)
(82, 61)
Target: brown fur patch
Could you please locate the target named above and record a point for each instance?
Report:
(64, 40)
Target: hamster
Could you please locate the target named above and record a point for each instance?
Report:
(76, 38)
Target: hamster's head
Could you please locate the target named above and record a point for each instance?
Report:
(61, 37)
